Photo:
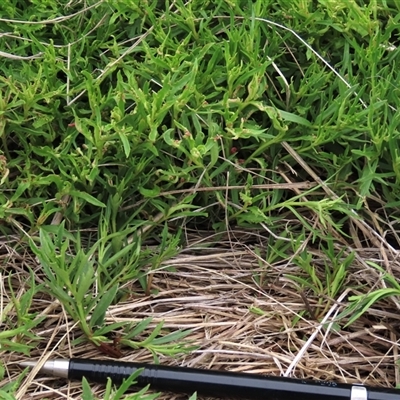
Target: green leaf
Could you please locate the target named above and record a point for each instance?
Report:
(83, 279)
(108, 328)
(287, 116)
(86, 390)
(118, 256)
(128, 383)
(125, 143)
(153, 334)
(154, 192)
(20, 190)
(171, 337)
(2, 371)
(140, 327)
(101, 308)
(361, 304)
(87, 197)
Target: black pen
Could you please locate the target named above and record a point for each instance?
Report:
(213, 383)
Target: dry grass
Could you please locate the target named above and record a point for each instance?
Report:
(214, 290)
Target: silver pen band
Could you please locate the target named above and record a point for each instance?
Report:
(359, 393)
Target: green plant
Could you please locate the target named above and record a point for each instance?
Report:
(359, 304)
(18, 321)
(327, 284)
(86, 283)
(116, 394)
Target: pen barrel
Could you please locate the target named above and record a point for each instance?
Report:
(222, 384)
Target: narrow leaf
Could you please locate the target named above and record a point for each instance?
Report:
(99, 311)
(87, 197)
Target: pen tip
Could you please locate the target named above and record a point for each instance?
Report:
(30, 364)
(51, 367)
